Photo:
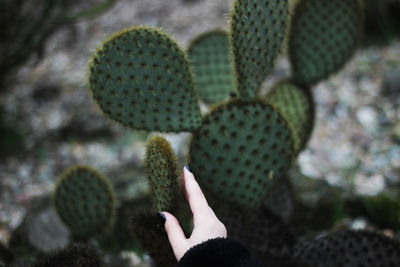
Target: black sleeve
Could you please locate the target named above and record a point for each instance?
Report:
(218, 252)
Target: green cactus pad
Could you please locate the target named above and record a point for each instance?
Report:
(240, 149)
(324, 34)
(297, 105)
(149, 228)
(85, 201)
(350, 248)
(141, 78)
(211, 58)
(162, 173)
(74, 255)
(258, 29)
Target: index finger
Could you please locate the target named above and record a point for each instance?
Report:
(197, 201)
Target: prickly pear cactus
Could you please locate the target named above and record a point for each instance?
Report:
(351, 248)
(240, 150)
(297, 105)
(85, 201)
(141, 78)
(162, 173)
(258, 29)
(323, 36)
(211, 58)
(78, 255)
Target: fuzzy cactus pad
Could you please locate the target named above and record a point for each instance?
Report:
(240, 150)
(85, 201)
(297, 105)
(348, 249)
(141, 78)
(324, 34)
(211, 58)
(258, 28)
(162, 173)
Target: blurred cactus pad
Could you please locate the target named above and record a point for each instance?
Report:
(257, 32)
(323, 36)
(85, 201)
(211, 58)
(141, 78)
(349, 248)
(297, 105)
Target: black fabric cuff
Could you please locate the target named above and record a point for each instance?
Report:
(218, 252)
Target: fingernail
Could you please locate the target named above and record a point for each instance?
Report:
(188, 167)
(162, 217)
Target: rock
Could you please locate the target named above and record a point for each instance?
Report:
(391, 83)
(368, 118)
(46, 231)
(396, 132)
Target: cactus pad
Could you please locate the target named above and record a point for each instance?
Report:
(211, 58)
(141, 78)
(240, 149)
(162, 172)
(324, 34)
(351, 248)
(258, 29)
(297, 105)
(84, 199)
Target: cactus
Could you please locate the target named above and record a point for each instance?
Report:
(142, 79)
(324, 34)
(240, 149)
(258, 29)
(162, 173)
(84, 200)
(297, 105)
(74, 255)
(351, 248)
(211, 58)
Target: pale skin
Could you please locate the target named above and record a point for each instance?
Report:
(206, 224)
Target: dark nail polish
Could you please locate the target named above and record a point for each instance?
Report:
(162, 217)
(188, 167)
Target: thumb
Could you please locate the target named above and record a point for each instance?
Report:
(176, 237)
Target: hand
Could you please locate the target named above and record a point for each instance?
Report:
(206, 224)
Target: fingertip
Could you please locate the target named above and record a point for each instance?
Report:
(162, 217)
(187, 173)
(187, 167)
(171, 222)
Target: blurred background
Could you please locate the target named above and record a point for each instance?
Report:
(48, 121)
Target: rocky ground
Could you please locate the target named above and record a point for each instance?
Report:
(355, 144)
